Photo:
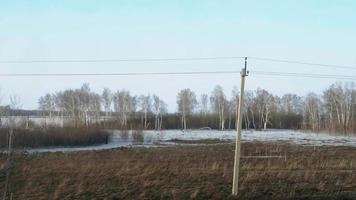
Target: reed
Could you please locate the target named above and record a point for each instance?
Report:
(32, 138)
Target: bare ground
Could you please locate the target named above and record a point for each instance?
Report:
(186, 172)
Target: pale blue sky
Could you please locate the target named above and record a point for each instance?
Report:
(305, 30)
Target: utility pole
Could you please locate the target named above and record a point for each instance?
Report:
(235, 184)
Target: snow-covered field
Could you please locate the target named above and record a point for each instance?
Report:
(156, 138)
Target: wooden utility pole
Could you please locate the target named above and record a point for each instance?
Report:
(235, 184)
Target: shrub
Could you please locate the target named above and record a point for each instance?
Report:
(31, 138)
(137, 137)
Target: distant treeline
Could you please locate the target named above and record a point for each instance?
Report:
(333, 110)
(6, 110)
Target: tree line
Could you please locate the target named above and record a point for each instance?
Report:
(333, 110)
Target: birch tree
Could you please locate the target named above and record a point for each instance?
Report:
(15, 104)
(157, 104)
(339, 102)
(94, 107)
(264, 103)
(233, 105)
(107, 99)
(82, 105)
(47, 104)
(250, 109)
(269, 106)
(312, 111)
(68, 101)
(124, 106)
(291, 103)
(204, 108)
(145, 104)
(204, 104)
(186, 100)
(230, 109)
(60, 106)
(2, 109)
(218, 102)
(162, 111)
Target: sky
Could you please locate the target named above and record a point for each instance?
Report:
(315, 31)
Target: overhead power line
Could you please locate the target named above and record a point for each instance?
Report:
(122, 74)
(118, 60)
(53, 61)
(303, 63)
(264, 73)
(303, 75)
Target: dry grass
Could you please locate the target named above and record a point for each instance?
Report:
(30, 138)
(187, 172)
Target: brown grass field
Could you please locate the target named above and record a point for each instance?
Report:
(186, 172)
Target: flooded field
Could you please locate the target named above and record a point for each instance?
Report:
(168, 137)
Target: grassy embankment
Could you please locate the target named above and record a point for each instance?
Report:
(186, 172)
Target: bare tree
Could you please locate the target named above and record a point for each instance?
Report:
(94, 107)
(68, 101)
(186, 101)
(204, 107)
(204, 101)
(163, 111)
(15, 102)
(312, 111)
(265, 103)
(339, 102)
(251, 108)
(291, 103)
(233, 104)
(124, 105)
(145, 104)
(47, 105)
(156, 110)
(159, 108)
(1, 96)
(218, 101)
(2, 109)
(59, 105)
(82, 105)
(230, 108)
(107, 99)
